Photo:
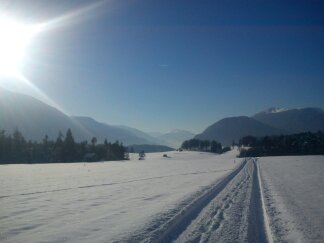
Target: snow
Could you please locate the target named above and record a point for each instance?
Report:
(276, 110)
(226, 217)
(101, 202)
(293, 188)
(186, 197)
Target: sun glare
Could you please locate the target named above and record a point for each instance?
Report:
(14, 39)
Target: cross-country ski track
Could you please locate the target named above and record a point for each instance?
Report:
(230, 210)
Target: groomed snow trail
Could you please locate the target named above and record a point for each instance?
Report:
(228, 211)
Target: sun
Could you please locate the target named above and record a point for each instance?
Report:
(14, 40)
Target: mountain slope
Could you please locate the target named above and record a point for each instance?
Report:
(104, 131)
(294, 120)
(32, 117)
(232, 129)
(147, 137)
(36, 119)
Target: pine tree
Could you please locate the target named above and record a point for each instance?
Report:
(69, 148)
(58, 148)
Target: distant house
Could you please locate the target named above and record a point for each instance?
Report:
(90, 157)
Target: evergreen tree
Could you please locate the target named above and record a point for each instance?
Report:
(2, 144)
(94, 141)
(58, 148)
(69, 148)
(15, 149)
(296, 144)
(215, 147)
(202, 145)
(18, 143)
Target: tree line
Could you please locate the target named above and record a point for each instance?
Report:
(297, 144)
(204, 146)
(16, 149)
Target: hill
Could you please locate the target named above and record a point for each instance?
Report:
(104, 131)
(35, 119)
(232, 129)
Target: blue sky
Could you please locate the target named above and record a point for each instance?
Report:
(160, 65)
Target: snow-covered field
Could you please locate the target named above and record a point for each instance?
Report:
(101, 202)
(188, 197)
(294, 197)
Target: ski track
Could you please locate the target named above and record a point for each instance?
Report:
(265, 213)
(230, 210)
(112, 184)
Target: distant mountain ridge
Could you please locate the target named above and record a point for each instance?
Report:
(274, 110)
(104, 131)
(232, 129)
(294, 120)
(35, 119)
(274, 121)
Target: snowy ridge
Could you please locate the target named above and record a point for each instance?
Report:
(275, 110)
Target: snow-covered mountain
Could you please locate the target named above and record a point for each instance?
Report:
(293, 120)
(273, 110)
(273, 121)
(35, 119)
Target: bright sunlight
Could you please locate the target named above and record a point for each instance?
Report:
(14, 41)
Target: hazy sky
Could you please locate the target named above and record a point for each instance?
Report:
(159, 65)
